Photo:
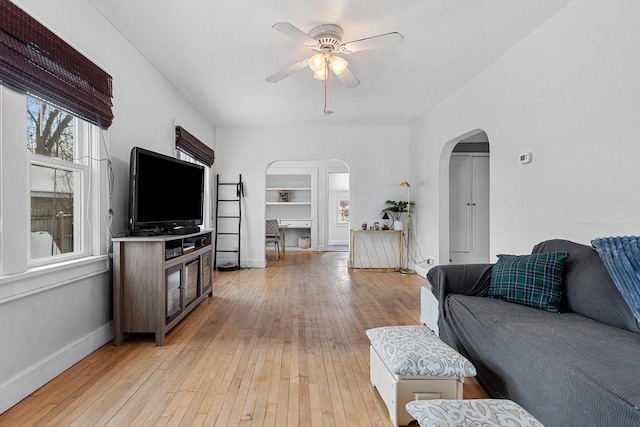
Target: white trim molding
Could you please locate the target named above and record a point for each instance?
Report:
(35, 376)
(43, 278)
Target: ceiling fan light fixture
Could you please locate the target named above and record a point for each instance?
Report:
(321, 74)
(324, 40)
(317, 62)
(338, 64)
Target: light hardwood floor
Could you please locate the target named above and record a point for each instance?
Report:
(281, 346)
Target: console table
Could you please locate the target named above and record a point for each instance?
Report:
(158, 280)
(376, 249)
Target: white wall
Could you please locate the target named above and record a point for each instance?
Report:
(68, 317)
(569, 93)
(377, 159)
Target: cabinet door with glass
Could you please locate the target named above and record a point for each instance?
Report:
(192, 281)
(173, 288)
(206, 282)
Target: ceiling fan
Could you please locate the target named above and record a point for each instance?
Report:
(326, 39)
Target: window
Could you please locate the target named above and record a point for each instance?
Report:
(191, 149)
(343, 211)
(53, 185)
(58, 170)
(339, 197)
(206, 208)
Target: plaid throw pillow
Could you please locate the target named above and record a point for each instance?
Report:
(534, 280)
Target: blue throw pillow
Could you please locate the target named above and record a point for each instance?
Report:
(534, 280)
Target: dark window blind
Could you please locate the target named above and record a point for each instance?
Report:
(33, 59)
(194, 147)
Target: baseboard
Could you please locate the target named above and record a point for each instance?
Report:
(252, 263)
(29, 380)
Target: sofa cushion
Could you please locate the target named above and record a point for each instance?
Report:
(532, 280)
(565, 369)
(587, 288)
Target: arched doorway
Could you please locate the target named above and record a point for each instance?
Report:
(317, 203)
(466, 208)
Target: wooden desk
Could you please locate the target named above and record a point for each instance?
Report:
(376, 249)
(292, 224)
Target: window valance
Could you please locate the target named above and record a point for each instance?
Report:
(33, 59)
(194, 147)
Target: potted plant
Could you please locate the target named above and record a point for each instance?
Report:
(395, 209)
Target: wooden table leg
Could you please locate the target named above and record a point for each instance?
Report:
(284, 242)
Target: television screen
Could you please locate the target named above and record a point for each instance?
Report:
(165, 192)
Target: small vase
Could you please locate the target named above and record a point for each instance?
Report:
(397, 225)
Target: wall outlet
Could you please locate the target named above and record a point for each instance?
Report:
(431, 260)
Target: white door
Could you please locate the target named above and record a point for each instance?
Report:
(469, 208)
(480, 207)
(459, 206)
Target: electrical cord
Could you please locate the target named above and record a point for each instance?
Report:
(410, 258)
(110, 187)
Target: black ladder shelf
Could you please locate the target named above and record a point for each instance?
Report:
(229, 266)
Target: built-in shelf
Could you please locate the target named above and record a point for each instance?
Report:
(288, 203)
(300, 185)
(288, 188)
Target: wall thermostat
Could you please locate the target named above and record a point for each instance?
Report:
(525, 158)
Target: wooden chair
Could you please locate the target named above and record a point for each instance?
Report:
(272, 234)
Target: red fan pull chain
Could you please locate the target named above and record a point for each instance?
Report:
(325, 94)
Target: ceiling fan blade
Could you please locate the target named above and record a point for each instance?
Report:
(383, 40)
(295, 33)
(348, 79)
(287, 71)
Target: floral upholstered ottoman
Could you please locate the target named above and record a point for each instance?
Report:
(471, 413)
(411, 363)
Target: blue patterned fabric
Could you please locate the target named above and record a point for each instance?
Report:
(621, 257)
(533, 280)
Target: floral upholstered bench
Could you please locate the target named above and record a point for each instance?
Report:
(471, 413)
(411, 363)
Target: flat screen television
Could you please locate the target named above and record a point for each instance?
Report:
(166, 195)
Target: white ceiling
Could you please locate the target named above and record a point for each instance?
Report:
(218, 53)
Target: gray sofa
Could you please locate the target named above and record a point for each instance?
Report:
(577, 368)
